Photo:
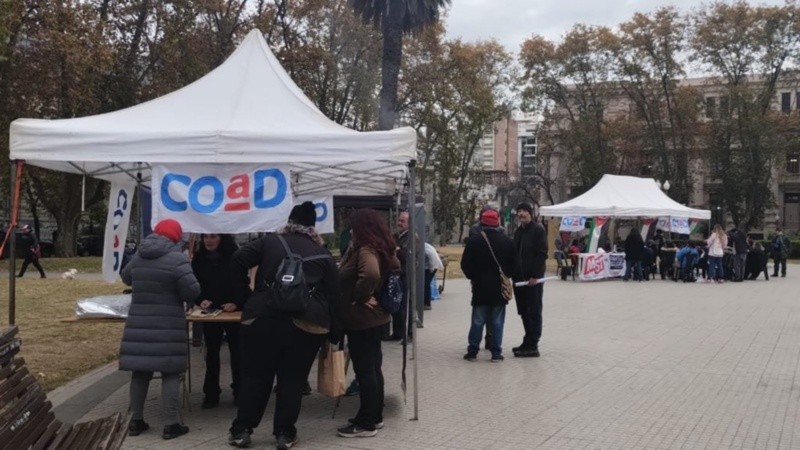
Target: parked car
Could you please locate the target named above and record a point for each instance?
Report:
(90, 246)
(47, 247)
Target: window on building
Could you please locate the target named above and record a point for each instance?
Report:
(711, 107)
(786, 102)
(793, 163)
(724, 105)
(716, 166)
(797, 100)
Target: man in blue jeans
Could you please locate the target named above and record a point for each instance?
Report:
(485, 255)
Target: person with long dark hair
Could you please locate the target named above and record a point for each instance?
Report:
(212, 267)
(276, 341)
(370, 261)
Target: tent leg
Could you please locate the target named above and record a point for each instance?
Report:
(412, 278)
(16, 171)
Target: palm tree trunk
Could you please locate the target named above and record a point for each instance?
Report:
(390, 67)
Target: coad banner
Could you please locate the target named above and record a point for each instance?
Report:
(324, 208)
(222, 198)
(572, 223)
(120, 203)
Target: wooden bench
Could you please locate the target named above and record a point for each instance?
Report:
(26, 417)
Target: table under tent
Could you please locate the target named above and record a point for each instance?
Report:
(246, 111)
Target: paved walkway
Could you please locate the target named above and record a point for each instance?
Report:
(654, 365)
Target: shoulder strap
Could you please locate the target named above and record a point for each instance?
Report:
(307, 258)
(486, 238)
(284, 244)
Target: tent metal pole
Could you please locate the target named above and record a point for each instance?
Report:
(411, 269)
(12, 250)
(139, 223)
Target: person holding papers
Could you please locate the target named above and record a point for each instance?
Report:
(212, 267)
(530, 244)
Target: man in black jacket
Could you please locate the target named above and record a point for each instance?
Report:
(479, 266)
(279, 344)
(530, 244)
(740, 248)
(634, 250)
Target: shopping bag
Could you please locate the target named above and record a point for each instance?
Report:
(330, 371)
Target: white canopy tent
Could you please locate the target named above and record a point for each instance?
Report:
(247, 110)
(624, 196)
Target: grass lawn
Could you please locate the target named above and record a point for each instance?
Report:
(58, 352)
(60, 265)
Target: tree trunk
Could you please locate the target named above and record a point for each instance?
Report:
(390, 67)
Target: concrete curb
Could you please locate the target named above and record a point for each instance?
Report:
(75, 399)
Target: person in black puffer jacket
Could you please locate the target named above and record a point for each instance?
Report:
(212, 267)
(154, 339)
(279, 344)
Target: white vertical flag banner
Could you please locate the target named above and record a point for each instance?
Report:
(222, 198)
(324, 209)
(120, 204)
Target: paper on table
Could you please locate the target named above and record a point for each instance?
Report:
(539, 281)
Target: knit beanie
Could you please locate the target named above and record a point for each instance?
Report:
(525, 207)
(170, 229)
(304, 214)
(490, 218)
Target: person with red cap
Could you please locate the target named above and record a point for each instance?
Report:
(154, 339)
(486, 254)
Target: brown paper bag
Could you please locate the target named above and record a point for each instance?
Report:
(330, 371)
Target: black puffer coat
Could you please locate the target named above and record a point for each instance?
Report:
(155, 331)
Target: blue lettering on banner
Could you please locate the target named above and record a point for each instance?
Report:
(194, 194)
(260, 177)
(170, 203)
(321, 215)
(236, 197)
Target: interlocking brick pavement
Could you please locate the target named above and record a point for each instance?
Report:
(651, 365)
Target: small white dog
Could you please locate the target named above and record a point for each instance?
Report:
(70, 274)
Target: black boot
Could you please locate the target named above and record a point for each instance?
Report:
(137, 427)
(530, 352)
(174, 430)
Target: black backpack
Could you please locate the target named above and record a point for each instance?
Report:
(289, 292)
(392, 293)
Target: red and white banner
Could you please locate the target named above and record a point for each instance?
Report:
(648, 222)
(222, 198)
(596, 266)
(120, 203)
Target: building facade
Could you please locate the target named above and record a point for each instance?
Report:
(705, 183)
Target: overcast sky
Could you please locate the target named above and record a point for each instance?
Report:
(512, 21)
